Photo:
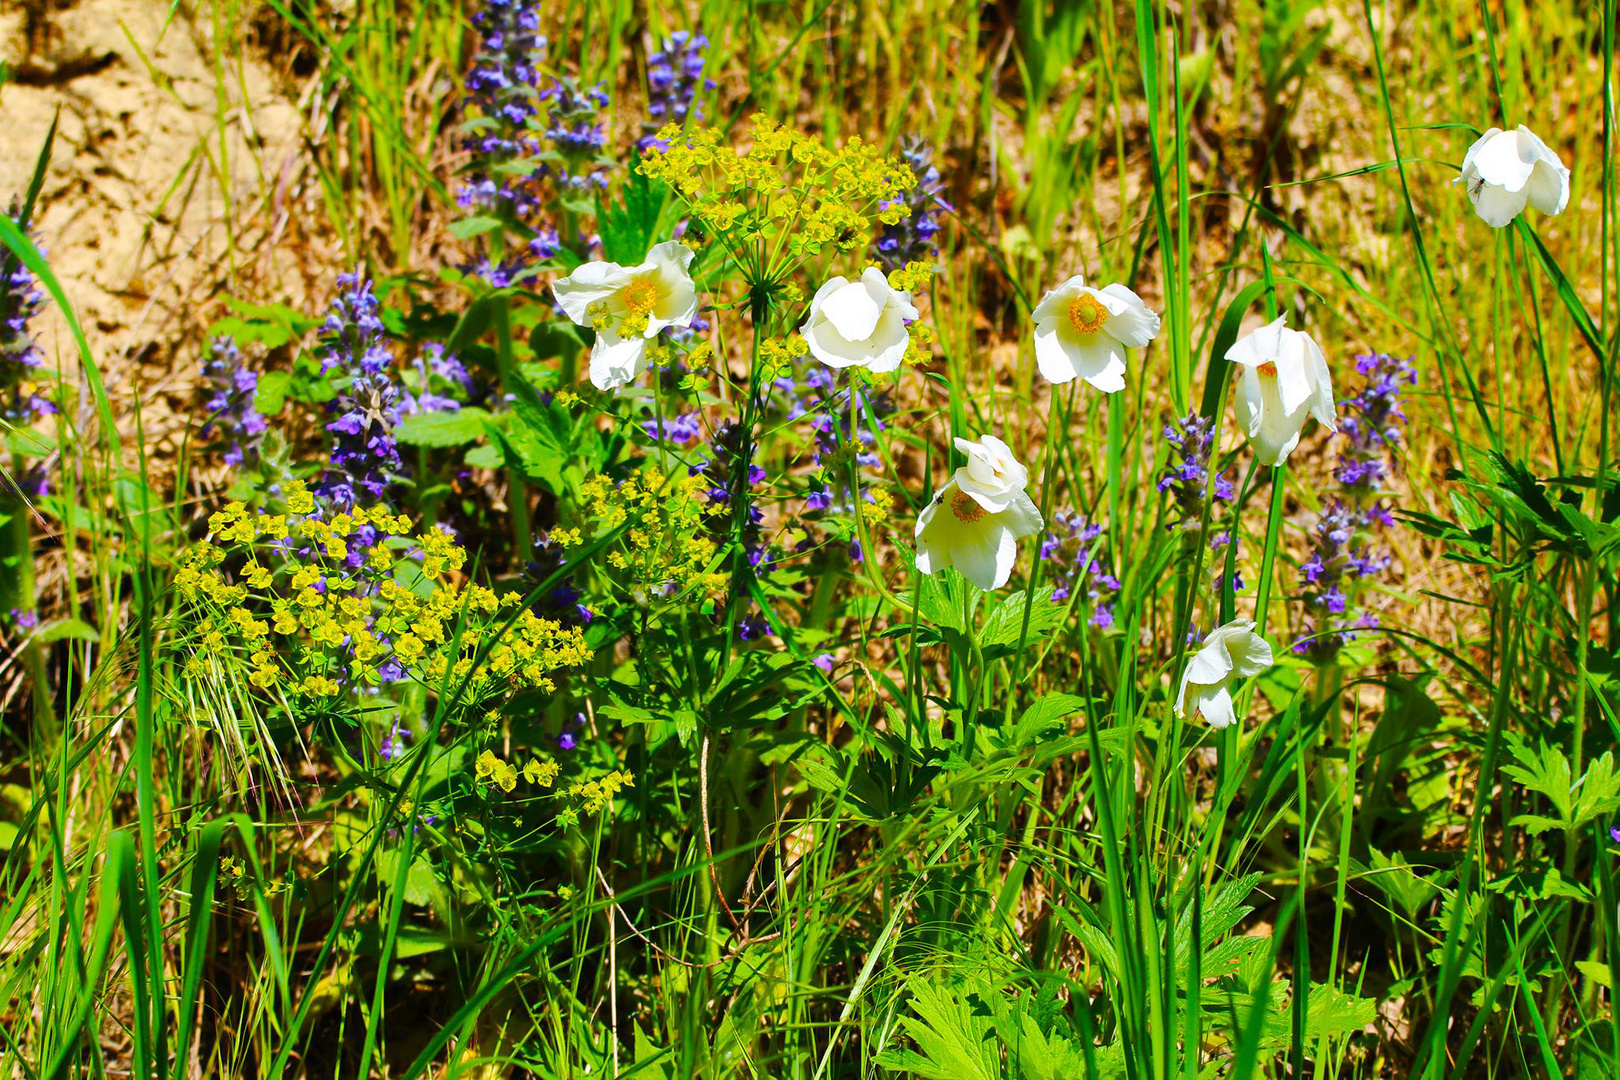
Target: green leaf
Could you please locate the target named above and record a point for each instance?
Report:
(469, 227)
(271, 394)
(631, 224)
(58, 629)
(485, 456)
(455, 427)
(954, 1038)
(1005, 623)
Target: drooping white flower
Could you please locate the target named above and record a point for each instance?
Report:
(1284, 380)
(975, 520)
(1084, 332)
(1231, 652)
(859, 323)
(628, 305)
(1504, 170)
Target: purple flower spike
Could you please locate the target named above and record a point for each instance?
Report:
(674, 77)
(21, 360)
(1073, 548)
(229, 391)
(913, 238)
(365, 458)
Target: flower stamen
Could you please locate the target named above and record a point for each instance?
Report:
(966, 509)
(1087, 315)
(639, 297)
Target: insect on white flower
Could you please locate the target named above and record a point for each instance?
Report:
(1284, 381)
(1081, 332)
(975, 521)
(1230, 653)
(860, 323)
(627, 306)
(1506, 170)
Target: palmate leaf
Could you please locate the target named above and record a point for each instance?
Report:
(630, 224)
(1004, 625)
(974, 1031)
(1546, 771)
(953, 1032)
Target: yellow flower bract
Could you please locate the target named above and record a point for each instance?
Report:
(331, 625)
(784, 187)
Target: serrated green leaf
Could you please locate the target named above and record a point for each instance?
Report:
(470, 227)
(270, 397)
(454, 427)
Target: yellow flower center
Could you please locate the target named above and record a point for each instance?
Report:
(639, 297)
(966, 510)
(1087, 315)
(1268, 369)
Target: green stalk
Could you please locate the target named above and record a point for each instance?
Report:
(517, 490)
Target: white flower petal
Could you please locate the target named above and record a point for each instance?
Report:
(1496, 206)
(853, 311)
(1109, 376)
(1132, 324)
(1261, 346)
(831, 347)
(1473, 152)
(1293, 380)
(1215, 705)
(1211, 663)
(1056, 357)
(1055, 304)
(591, 282)
(616, 361)
(891, 339)
(1548, 189)
(1251, 654)
(1322, 405)
(1505, 160)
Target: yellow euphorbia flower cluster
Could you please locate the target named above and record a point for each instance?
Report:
(786, 186)
(504, 774)
(665, 546)
(319, 604)
(595, 794)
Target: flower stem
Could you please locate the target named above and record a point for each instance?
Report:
(517, 490)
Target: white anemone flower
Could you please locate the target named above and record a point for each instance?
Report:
(1084, 332)
(1231, 652)
(1285, 379)
(627, 305)
(859, 323)
(975, 520)
(1505, 170)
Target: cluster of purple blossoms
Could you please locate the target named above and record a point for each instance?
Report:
(682, 429)
(1186, 476)
(1343, 555)
(437, 374)
(844, 422)
(503, 89)
(911, 239)
(562, 602)
(20, 358)
(365, 457)
(1372, 422)
(393, 743)
(721, 470)
(229, 389)
(674, 76)
(576, 133)
(1074, 550)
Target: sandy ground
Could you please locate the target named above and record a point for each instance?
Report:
(165, 154)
